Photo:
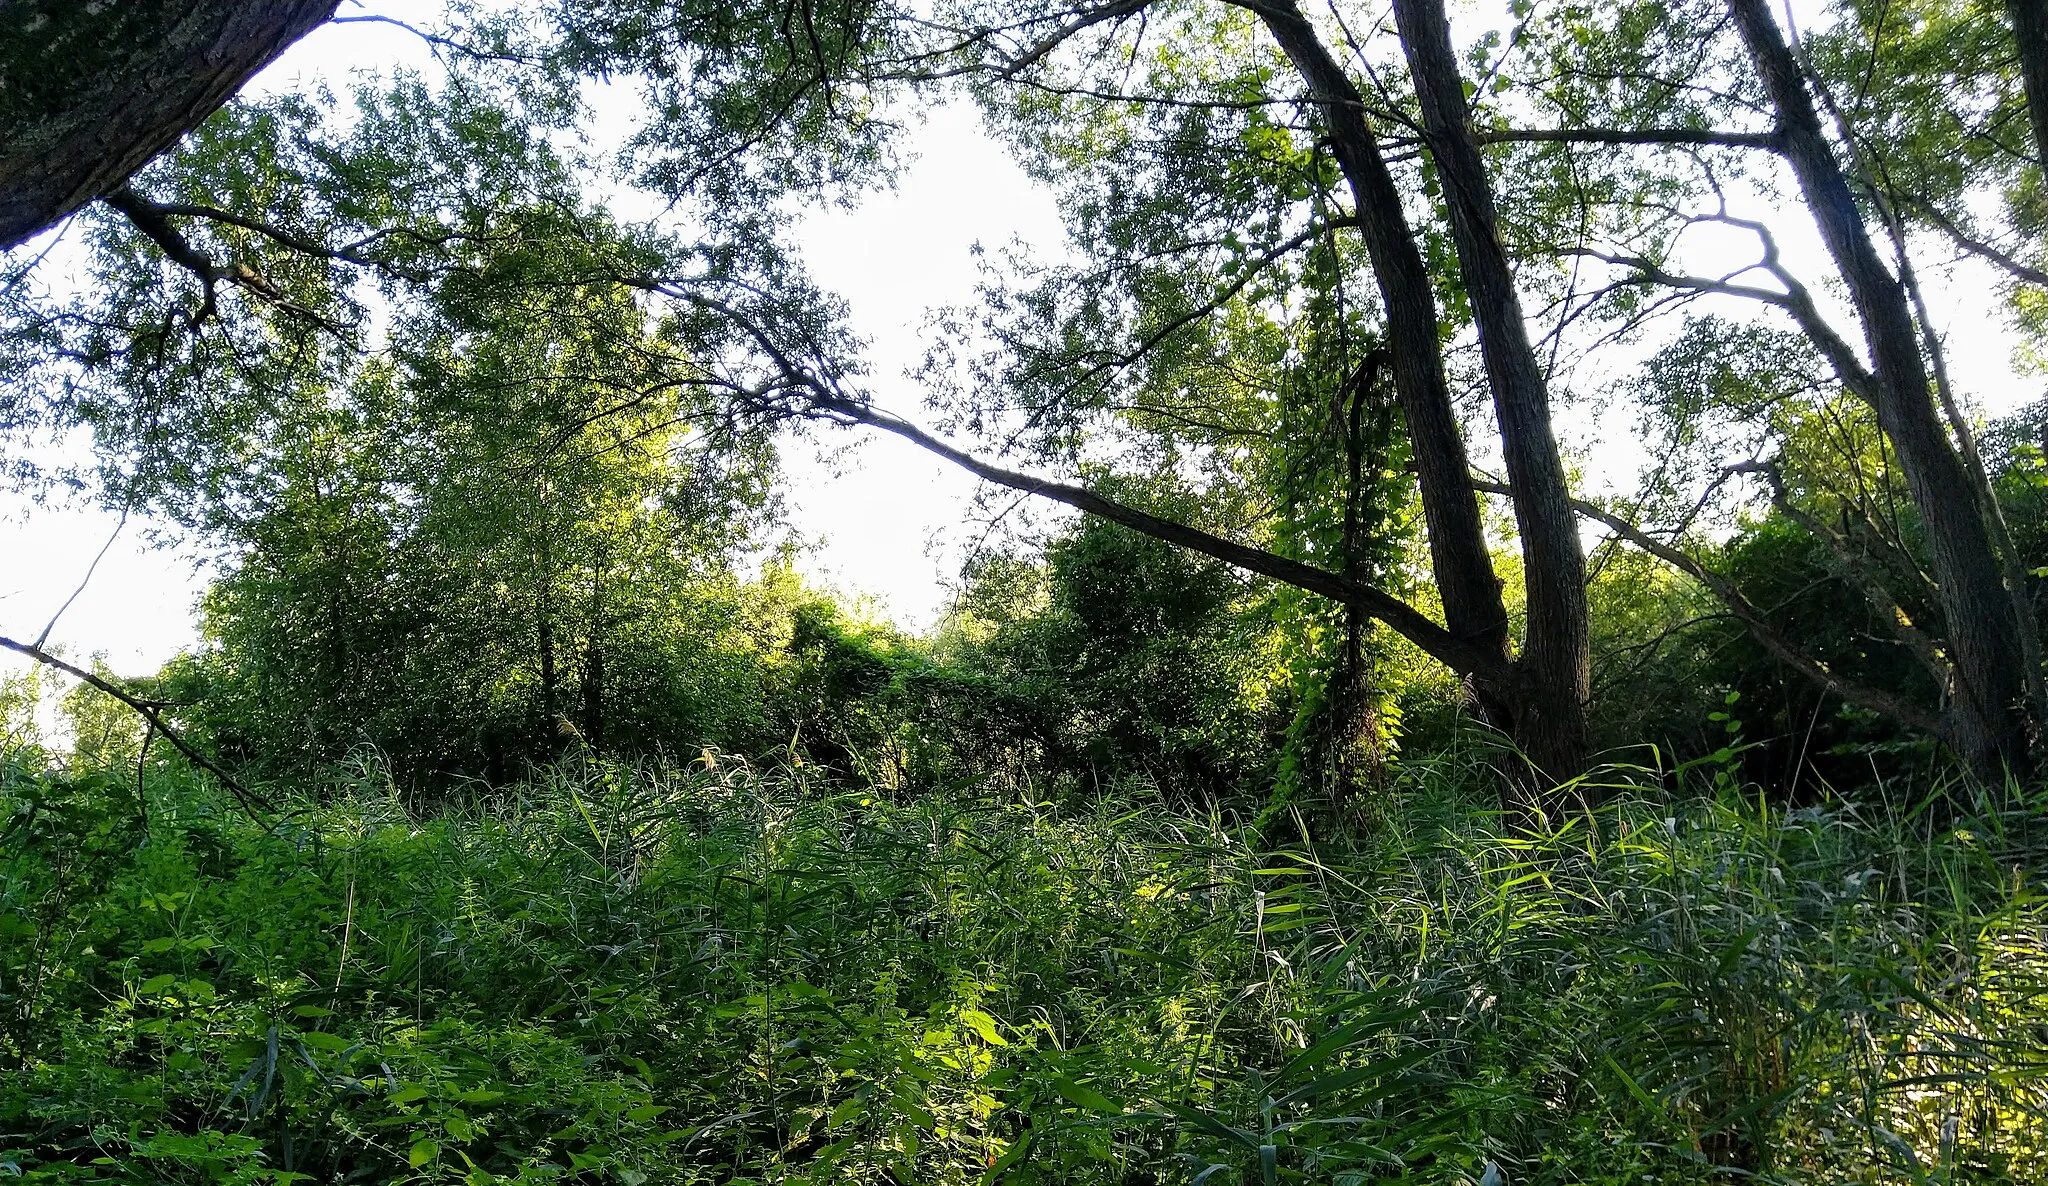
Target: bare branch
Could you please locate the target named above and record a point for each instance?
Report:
(1978, 247)
(1767, 141)
(1751, 617)
(152, 714)
(467, 51)
(1795, 300)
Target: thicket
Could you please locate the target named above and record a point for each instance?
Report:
(702, 972)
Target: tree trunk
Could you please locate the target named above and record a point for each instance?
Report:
(592, 689)
(89, 93)
(1462, 564)
(1555, 665)
(2030, 31)
(546, 644)
(593, 696)
(544, 631)
(1983, 631)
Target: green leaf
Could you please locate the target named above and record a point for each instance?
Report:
(1083, 1096)
(1214, 1127)
(423, 1151)
(983, 1025)
(1341, 1079)
(848, 1109)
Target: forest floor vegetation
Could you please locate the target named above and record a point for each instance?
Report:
(715, 972)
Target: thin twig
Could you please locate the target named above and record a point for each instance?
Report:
(151, 713)
(90, 569)
(1752, 618)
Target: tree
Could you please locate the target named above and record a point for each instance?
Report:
(1551, 709)
(509, 539)
(1539, 696)
(1710, 72)
(1983, 627)
(1201, 150)
(91, 93)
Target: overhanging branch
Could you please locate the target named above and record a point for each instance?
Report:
(1751, 617)
(151, 713)
(153, 219)
(1404, 619)
(819, 398)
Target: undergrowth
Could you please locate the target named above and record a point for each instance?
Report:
(719, 974)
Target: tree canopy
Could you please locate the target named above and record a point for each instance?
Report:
(1300, 241)
(1533, 672)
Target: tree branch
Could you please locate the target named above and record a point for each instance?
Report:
(1085, 19)
(1978, 247)
(1795, 301)
(153, 219)
(1856, 569)
(1438, 642)
(467, 51)
(822, 400)
(1751, 617)
(1768, 141)
(152, 714)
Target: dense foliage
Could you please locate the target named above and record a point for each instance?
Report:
(1377, 781)
(665, 974)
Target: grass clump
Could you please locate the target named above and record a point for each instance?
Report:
(722, 974)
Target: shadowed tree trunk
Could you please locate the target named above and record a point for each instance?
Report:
(544, 631)
(1542, 705)
(1459, 557)
(1983, 631)
(1555, 665)
(592, 681)
(593, 695)
(90, 92)
(2030, 31)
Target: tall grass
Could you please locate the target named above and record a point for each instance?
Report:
(722, 974)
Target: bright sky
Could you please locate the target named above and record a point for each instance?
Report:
(886, 518)
(889, 513)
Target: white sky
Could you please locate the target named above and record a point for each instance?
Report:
(889, 513)
(876, 509)
(886, 517)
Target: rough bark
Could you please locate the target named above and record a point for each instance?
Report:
(1555, 665)
(1463, 567)
(90, 93)
(1983, 633)
(2030, 32)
